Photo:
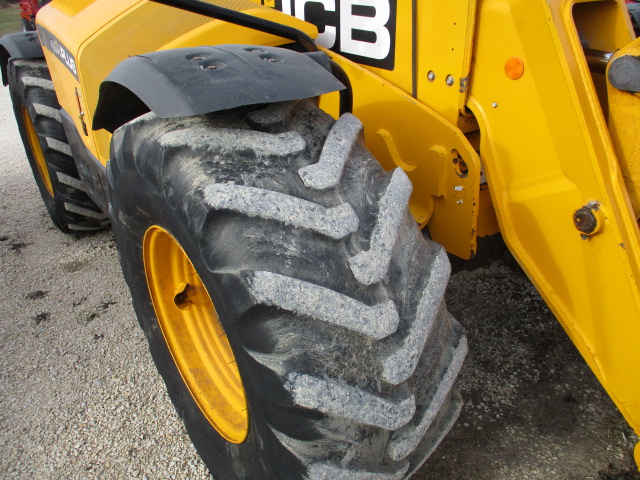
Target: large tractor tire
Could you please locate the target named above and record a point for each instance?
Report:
(38, 116)
(290, 302)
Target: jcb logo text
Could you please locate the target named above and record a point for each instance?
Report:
(362, 30)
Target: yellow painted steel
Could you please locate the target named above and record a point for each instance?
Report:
(36, 149)
(487, 219)
(445, 39)
(546, 151)
(443, 166)
(194, 335)
(72, 7)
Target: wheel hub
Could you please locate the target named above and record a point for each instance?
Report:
(38, 155)
(195, 337)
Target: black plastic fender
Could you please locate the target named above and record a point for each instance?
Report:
(193, 81)
(18, 45)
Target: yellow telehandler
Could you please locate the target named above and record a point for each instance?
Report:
(287, 179)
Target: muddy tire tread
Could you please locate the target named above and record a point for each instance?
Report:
(367, 396)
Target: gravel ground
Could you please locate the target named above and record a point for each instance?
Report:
(80, 397)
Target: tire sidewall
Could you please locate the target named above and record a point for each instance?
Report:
(251, 458)
(319, 402)
(70, 207)
(19, 102)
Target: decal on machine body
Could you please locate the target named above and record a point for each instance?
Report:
(362, 30)
(56, 47)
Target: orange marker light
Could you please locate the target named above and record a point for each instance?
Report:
(514, 68)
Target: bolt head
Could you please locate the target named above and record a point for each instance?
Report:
(585, 221)
(494, 104)
(450, 80)
(431, 76)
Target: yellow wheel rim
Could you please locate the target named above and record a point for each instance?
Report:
(38, 155)
(196, 339)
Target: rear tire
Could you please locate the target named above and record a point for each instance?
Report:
(331, 299)
(37, 114)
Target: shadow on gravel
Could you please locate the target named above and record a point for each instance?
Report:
(533, 409)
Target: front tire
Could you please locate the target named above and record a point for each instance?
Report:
(329, 296)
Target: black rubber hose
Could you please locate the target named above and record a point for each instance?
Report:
(346, 95)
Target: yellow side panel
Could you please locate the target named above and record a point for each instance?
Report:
(445, 39)
(71, 7)
(442, 165)
(487, 219)
(546, 152)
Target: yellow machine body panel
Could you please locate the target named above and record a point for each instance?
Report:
(441, 163)
(489, 106)
(547, 153)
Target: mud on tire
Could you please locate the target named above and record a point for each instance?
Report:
(36, 108)
(331, 299)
